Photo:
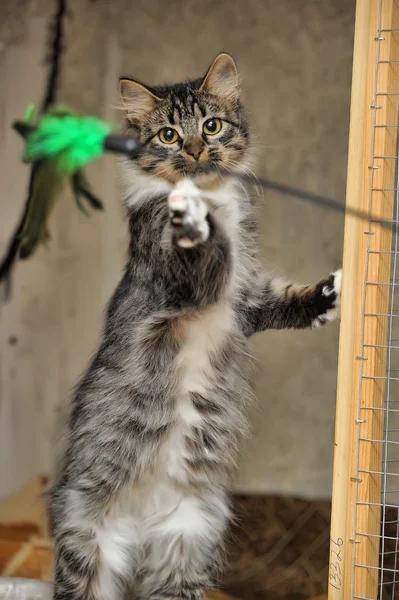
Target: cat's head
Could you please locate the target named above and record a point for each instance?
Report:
(188, 128)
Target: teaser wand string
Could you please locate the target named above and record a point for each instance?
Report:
(78, 152)
(132, 148)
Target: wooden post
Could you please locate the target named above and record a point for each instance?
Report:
(356, 512)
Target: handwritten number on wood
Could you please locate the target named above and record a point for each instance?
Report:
(334, 577)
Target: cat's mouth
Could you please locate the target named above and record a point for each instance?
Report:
(204, 169)
(199, 168)
(205, 173)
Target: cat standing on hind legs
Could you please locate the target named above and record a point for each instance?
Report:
(139, 503)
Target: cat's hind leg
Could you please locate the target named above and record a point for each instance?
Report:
(183, 552)
(96, 558)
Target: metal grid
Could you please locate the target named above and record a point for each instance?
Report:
(388, 567)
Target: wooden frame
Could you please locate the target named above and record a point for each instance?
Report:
(356, 508)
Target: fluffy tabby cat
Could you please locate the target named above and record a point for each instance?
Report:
(139, 504)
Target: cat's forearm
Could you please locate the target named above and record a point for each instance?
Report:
(281, 305)
(180, 250)
(199, 250)
(198, 275)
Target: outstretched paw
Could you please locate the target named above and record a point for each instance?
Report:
(329, 300)
(188, 214)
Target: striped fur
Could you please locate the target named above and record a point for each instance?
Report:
(139, 504)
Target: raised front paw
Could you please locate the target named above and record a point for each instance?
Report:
(188, 214)
(328, 299)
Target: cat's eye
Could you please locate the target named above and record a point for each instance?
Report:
(168, 135)
(212, 126)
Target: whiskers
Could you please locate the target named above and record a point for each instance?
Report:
(244, 172)
(231, 174)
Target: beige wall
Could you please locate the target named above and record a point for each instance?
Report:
(295, 60)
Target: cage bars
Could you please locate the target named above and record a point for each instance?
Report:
(367, 374)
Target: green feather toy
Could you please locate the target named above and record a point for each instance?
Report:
(59, 145)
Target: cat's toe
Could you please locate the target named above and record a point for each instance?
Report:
(330, 315)
(177, 208)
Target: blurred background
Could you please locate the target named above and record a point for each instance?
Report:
(295, 60)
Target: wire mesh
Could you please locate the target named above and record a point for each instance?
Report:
(386, 445)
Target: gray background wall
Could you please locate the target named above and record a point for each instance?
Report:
(294, 57)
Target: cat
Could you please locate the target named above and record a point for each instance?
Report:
(139, 503)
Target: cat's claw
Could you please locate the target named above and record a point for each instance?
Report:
(331, 299)
(188, 212)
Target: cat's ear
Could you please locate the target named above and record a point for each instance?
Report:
(138, 100)
(221, 78)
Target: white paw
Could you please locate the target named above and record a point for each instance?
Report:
(338, 283)
(331, 300)
(188, 214)
(335, 288)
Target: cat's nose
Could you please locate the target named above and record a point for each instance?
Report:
(194, 150)
(196, 153)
